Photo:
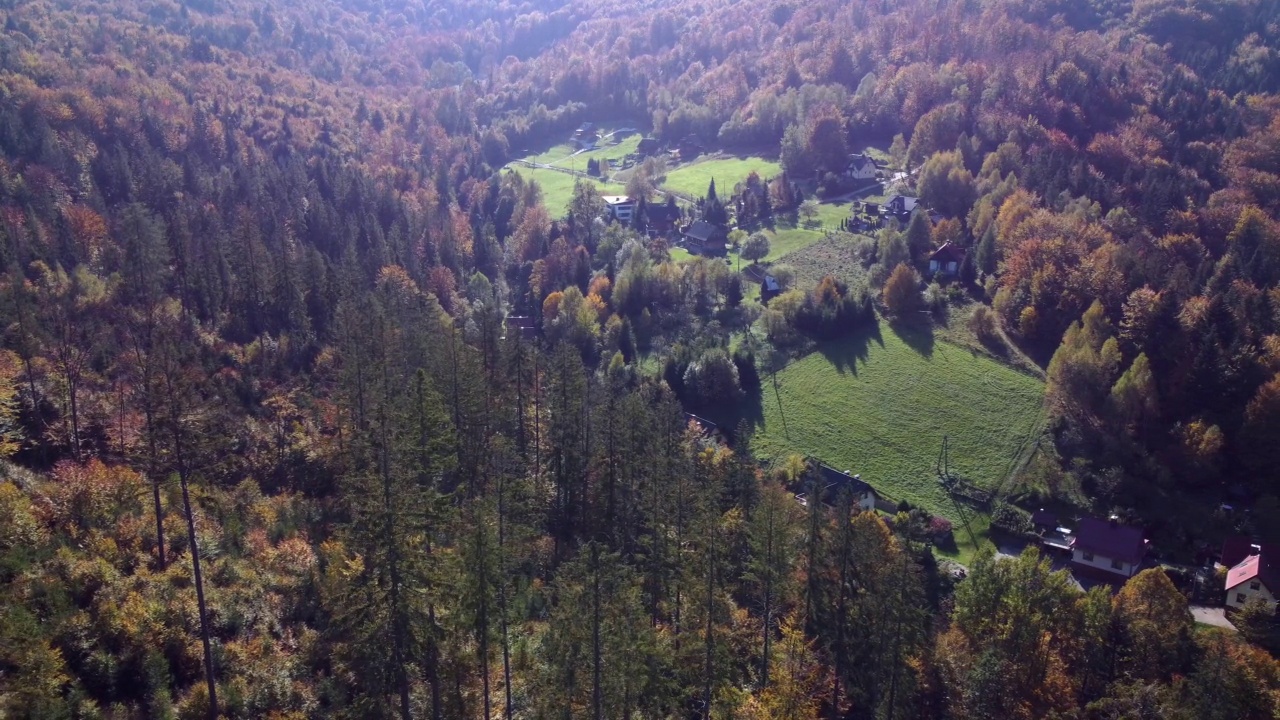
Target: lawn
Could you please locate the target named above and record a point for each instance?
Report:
(557, 187)
(693, 179)
(881, 404)
(786, 240)
(830, 215)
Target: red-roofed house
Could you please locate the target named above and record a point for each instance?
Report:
(1256, 576)
(1106, 546)
(946, 260)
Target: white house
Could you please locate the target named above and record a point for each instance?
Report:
(899, 204)
(1254, 577)
(1107, 548)
(620, 207)
(861, 167)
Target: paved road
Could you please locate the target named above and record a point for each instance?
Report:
(1214, 616)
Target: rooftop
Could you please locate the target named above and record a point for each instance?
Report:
(1109, 539)
(702, 230)
(1260, 566)
(949, 252)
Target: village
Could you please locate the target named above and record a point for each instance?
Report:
(1094, 550)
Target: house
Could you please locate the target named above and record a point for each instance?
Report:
(648, 146)
(1255, 576)
(861, 167)
(946, 260)
(662, 217)
(704, 238)
(585, 130)
(902, 204)
(690, 148)
(832, 482)
(1107, 548)
(769, 288)
(619, 207)
(522, 326)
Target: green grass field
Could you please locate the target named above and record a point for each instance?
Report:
(787, 240)
(881, 405)
(693, 179)
(557, 187)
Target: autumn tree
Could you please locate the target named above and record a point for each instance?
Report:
(901, 293)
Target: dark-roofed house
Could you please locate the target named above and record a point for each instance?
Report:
(585, 130)
(946, 260)
(769, 288)
(661, 217)
(1256, 576)
(1105, 547)
(648, 146)
(832, 482)
(704, 238)
(690, 148)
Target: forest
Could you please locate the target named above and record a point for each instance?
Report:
(272, 447)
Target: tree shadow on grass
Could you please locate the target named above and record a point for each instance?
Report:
(844, 354)
(917, 334)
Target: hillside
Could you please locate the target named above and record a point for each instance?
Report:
(881, 406)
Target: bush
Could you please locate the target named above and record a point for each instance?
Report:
(983, 325)
(832, 310)
(1011, 519)
(902, 291)
(935, 298)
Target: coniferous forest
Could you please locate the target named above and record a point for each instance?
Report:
(314, 405)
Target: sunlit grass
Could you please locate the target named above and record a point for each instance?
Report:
(694, 178)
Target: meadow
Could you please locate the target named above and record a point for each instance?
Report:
(557, 187)
(880, 404)
(693, 179)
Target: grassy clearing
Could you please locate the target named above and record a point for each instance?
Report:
(880, 404)
(606, 151)
(693, 179)
(830, 215)
(557, 187)
(787, 240)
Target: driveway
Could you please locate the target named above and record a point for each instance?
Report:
(1214, 616)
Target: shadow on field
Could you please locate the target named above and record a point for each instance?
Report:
(845, 353)
(917, 335)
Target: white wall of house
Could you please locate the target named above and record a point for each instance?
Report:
(867, 501)
(621, 209)
(866, 171)
(1100, 562)
(1246, 591)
